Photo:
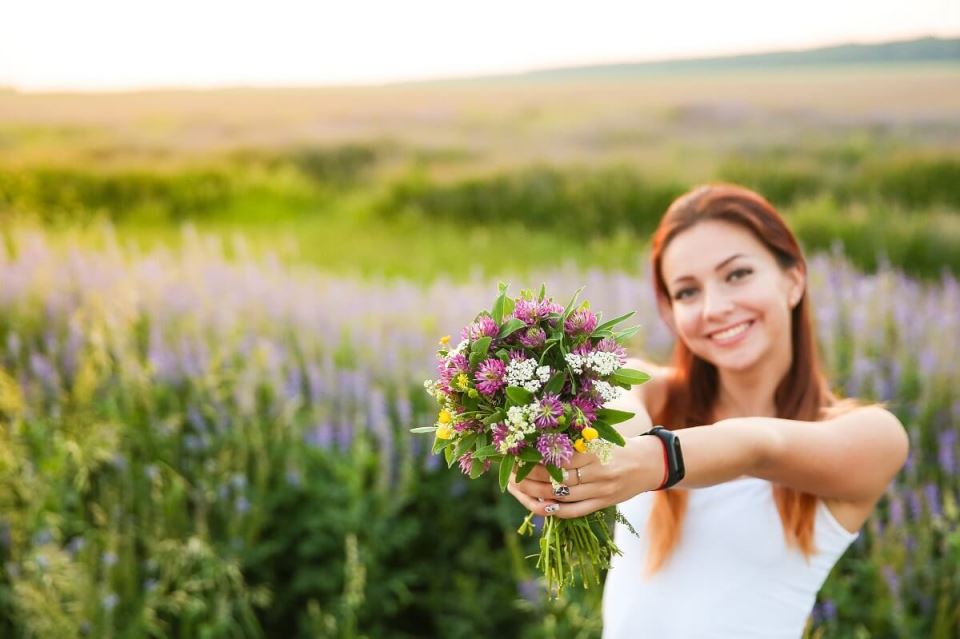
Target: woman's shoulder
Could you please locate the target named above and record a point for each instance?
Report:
(653, 392)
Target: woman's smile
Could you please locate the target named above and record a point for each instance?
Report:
(732, 335)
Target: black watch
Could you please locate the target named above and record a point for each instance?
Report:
(673, 456)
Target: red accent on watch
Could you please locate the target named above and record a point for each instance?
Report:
(666, 465)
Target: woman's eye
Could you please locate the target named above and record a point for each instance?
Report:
(739, 273)
(679, 295)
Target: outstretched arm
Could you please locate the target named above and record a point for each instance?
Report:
(852, 457)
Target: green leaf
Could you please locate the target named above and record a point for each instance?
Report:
(629, 376)
(555, 385)
(508, 306)
(466, 443)
(423, 429)
(555, 472)
(531, 455)
(519, 396)
(485, 452)
(476, 469)
(481, 346)
(497, 311)
(503, 355)
(505, 467)
(524, 470)
(613, 416)
(493, 418)
(609, 433)
(543, 293)
(511, 326)
(569, 307)
(450, 456)
(440, 444)
(613, 322)
(627, 334)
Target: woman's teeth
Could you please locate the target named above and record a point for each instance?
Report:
(731, 332)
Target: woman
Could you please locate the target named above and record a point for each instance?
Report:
(779, 474)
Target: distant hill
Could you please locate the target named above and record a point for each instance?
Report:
(944, 50)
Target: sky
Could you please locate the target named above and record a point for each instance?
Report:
(97, 45)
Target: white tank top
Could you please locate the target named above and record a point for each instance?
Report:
(730, 576)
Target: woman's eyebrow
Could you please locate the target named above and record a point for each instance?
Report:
(716, 268)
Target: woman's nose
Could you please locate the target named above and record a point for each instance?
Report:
(716, 305)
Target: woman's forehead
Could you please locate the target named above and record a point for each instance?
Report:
(701, 249)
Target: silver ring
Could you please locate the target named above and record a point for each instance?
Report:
(566, 474)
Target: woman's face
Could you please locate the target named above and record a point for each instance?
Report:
(730, 300)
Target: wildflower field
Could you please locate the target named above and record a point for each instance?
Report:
(217, 312)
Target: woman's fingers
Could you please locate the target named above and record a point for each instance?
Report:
(579, 460)
(579, 508)
(530, 503)
(544, 490)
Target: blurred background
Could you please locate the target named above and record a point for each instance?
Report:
(233, 234)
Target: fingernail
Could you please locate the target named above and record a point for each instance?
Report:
(552, 508)
(561, 491)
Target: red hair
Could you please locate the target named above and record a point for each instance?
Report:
(692, 388)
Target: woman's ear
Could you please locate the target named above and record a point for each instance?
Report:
(797, 286)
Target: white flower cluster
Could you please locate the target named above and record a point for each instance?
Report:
(603, 363)
(600, 362)
(526, 374)
(607, 392)
(432, 387)
(601, 448)
(459, 348)
(519, 423)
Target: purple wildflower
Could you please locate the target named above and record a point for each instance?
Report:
(527, 312)
(580, 322)
(548, 306)
(932, 494)
(549, 409)
(466, 463)
(490, 375)
(533, 337)
(555, 448)
(947, 441)
(610, 345)
(517, 354)
(499, 433)
(584, 412)
(483, 327)
(468, 425)
(449, 370)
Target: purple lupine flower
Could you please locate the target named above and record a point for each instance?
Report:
(946, 444)
(580, 322)
(533, 337)
(499, 433)
(466, 463)
(893, 581)
(896, 511)
(829, 610)
(527, 311)
(489, 377)
(556, 448)
(916, 505)
(549, 410)
(932, 494)
(610, 345)
(483, 327)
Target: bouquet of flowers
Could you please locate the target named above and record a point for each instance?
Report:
(526, 385)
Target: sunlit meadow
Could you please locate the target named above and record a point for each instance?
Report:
(201, 446)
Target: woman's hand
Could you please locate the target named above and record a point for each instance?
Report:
(634, 468)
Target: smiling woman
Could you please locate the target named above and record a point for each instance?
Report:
(779, 473)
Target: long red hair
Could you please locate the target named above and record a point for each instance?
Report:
(692, 387)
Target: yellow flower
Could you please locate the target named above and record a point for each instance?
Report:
(445, 432)
(463, 381)
(589, 433)
(445, 340)
(444, 417)
(580, 445)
